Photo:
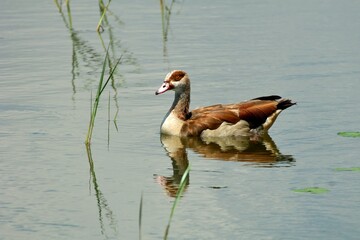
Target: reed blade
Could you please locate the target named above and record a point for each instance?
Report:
(140, 214)
(100, 90)
(99, 27)
(183, 183)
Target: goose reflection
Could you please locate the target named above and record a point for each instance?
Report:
(254, 151)
(176, 150)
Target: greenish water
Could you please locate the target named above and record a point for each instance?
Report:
(233, 50)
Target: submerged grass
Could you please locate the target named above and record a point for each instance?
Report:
(100, 90)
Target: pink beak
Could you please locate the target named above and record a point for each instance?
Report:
(164, 87)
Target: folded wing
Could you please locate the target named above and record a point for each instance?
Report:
(255, 112)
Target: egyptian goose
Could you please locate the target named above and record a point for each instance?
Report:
(240, 119)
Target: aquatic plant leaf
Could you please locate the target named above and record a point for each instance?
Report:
(353, 169)
(349, 134)
(314, 190)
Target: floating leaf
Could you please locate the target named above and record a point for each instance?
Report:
(314, 190)
(349, 134)
(353, 169)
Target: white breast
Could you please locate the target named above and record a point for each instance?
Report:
(172, 125)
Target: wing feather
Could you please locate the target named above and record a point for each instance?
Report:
(254, 111)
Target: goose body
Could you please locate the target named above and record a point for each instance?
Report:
(240, 119)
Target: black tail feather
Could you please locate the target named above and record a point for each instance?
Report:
(271, 97)
(285, 103)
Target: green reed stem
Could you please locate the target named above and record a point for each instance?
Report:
(183, 183)
(58, 5)
(102, 15)
(100, 89)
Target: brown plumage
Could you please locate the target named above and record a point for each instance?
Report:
(242, 118)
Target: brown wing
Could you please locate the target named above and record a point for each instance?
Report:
(254, 111)
(209, 118)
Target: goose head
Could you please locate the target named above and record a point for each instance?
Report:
(176, 80)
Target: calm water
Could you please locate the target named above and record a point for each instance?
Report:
(233, 50)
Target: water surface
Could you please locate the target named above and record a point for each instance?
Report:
(233, 50)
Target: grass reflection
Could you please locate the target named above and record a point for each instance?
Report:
(107, 221)
(84, 54)
(81, 49)
(165, 10)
